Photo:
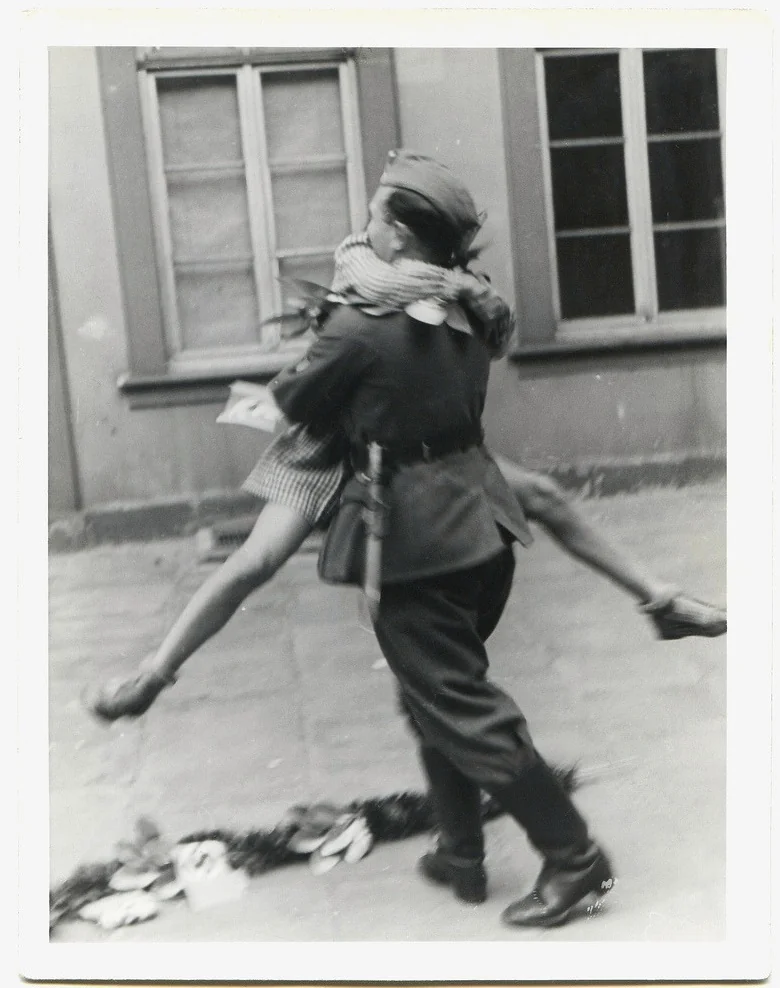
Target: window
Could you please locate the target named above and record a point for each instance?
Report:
(633, 174)
(255, 174)
(228, 167)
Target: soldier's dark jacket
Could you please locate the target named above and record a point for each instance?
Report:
(371, 377)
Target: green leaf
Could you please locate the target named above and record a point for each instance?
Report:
(158, 851)
(146, 830)
(126, 851)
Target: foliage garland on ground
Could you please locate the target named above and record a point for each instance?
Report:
(389, 818)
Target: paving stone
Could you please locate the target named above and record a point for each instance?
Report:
(318, 605)
(85, 822)
(366, 902)
(290, 704)
(82, 753)
(322, 646)
(235, 746)
(232, 665)
(334, 781)
(371, 739)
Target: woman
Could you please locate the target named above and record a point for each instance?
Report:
(301, 477)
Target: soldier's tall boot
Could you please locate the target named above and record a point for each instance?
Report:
(574, 868)
(460, 852)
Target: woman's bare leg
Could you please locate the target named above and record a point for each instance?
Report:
(277, 534)
(674, 614)
(545, 503)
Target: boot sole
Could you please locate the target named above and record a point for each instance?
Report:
(553, 921)
(438, 878)
(714, 632)
(595, 895)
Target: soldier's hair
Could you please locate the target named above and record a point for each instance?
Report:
(434, 232)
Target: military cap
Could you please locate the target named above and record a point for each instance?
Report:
(439, 186)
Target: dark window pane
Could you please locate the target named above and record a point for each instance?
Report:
(595, 276)
(583, 96)
(690, 269)
(589, 187)
(681, 90)
(686, 181)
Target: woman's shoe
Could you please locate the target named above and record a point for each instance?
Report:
(468, 881)
(681, 616)
(126, 697)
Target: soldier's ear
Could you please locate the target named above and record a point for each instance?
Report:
(402, 236)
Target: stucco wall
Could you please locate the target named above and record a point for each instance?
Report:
(63, 489)
(586, 409)
(449, 106)
(122, 454)
(607, 409)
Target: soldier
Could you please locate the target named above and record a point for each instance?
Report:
(418, 393)
(300, 478)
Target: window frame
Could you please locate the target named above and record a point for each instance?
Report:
(256, 169)
(153, 378)
(541, 326)
(640, 222)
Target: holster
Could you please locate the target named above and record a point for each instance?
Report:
(360, 517)
(363, 512)
(342, 555)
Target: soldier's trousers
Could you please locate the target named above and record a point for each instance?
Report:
(471, 733)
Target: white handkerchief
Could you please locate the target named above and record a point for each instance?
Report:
(428, 310)
(253, 405)
(435, 311)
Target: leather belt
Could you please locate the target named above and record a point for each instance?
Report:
(423, 451)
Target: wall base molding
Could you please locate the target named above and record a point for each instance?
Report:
(142, 521)
(632, 474)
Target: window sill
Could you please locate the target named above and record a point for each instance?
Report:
(192, 387)
(618, 343)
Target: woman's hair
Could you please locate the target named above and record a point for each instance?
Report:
(435, 233)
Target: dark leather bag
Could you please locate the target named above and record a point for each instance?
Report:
(342, 555)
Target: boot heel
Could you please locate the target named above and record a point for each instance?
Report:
(606, 885)
(468, 883)
(558, 891)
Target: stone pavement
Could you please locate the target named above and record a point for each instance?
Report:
(291, 703)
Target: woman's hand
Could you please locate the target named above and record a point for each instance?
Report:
(490, 310)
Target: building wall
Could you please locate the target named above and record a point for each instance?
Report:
(449, 106)
(607, 410)
(579, 410)
(583, 409)
(63, 486)
(122, 454)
